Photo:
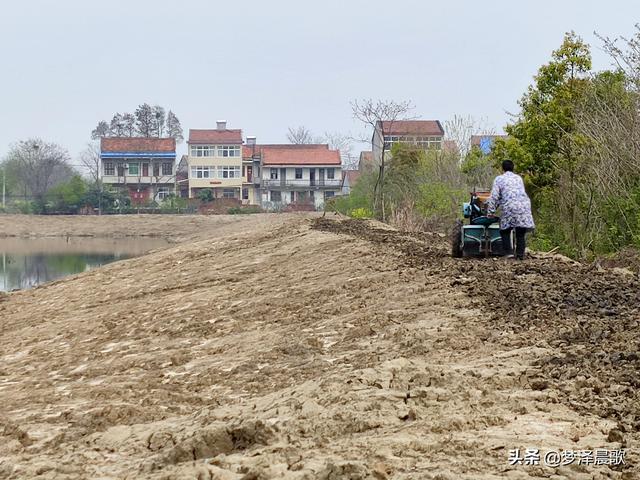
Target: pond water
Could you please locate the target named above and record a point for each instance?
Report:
(28, 262)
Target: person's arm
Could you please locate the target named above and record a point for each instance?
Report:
(494, 200)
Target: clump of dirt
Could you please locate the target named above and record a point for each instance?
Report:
(589, 316)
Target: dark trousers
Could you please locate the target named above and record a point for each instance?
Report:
(520, 241)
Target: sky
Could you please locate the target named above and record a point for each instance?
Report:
(265, 66)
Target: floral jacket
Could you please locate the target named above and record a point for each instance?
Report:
(508, 193)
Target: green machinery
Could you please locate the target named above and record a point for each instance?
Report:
(481, 236)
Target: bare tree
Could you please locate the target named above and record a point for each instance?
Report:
(174, 129)
(39, 166)
(145, 120)
(460, 129)
(117, 126)
(90, 160)
(342, 142)
(158, 121)
(300, 135)
(129, 122)
(101, 130)
(380, 115)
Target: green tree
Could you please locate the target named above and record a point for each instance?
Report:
(540, 141)
(478, 168)
(69, 196)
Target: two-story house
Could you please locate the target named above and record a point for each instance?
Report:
(215, 161)
(143, 167)
(305, 175)
(427, 134)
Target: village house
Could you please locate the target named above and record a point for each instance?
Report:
(485, 142)
(303, 176)
(215, 161)
(349, 179)
(427, 134)
(143, 167)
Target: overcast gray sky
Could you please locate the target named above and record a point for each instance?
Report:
(266, 65)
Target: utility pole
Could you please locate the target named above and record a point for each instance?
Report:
(4, 186)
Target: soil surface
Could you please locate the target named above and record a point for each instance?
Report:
(298, 347)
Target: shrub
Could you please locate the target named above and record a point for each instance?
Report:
(361, 212)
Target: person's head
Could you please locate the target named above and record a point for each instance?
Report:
(507, 166)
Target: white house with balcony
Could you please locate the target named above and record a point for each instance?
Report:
(143, 167)
(303, 175)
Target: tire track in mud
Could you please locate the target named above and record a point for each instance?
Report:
(587, 316)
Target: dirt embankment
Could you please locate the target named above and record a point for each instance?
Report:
(305, 349)
(175, 228)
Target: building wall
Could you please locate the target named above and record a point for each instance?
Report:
(216, 182)
(140, 187)
(306, 175)
(297, 187)
(376, 146)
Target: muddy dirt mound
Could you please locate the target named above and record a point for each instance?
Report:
(589, 316)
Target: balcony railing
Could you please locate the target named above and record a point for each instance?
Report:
(301, 184)
(132, 180)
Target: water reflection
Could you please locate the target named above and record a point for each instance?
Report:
(26, 263)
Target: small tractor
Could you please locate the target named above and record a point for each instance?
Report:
(481, 236)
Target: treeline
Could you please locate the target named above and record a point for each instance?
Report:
(422, 190)
(146, 121)
(38, 178)
(575, 141)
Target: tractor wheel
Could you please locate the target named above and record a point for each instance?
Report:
(456, 240)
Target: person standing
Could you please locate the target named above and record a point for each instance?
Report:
(509, 194)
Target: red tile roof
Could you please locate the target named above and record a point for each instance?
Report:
(476, 139)
(413, 127)
(301, 155)
(248, 150)
(137, 144)
(213, 136)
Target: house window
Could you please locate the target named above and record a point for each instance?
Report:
(167, 168)
(245, 194)
(298, 174)
(202, 150)
(228, 172)
(331, 173)
(329, 194)
(109, 168)
(228, 193)
(228, 150)
(202, 172)
(274, 173)
(163, 192)
(276, 196)
(134, 168)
